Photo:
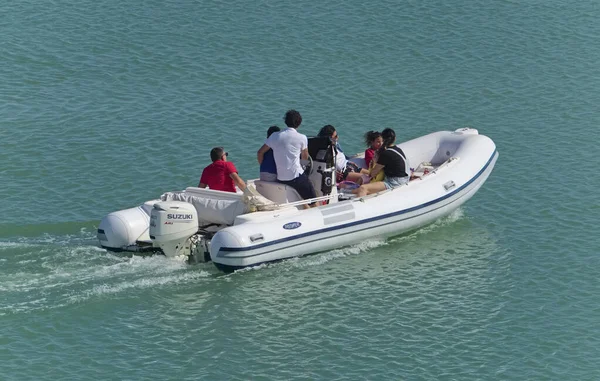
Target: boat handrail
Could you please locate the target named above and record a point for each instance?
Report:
(445, 164)
(308, 201)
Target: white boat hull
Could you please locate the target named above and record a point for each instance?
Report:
(231, 248)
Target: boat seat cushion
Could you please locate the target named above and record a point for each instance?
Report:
(277, 192)
(213, 207)
(257, 201)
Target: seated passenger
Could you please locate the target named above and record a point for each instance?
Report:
(345, 169)
(221, 174)
(392, 161)
(368, 175)
(289, 147)
(373, 140)
(268, 168)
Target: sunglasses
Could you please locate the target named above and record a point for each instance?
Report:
(226, 154)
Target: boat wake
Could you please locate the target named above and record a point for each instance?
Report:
(51, 272)
(55, 272)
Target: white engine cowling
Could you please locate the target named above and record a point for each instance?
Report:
(123, 229)
(172, 223)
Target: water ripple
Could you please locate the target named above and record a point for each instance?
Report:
(106, 105)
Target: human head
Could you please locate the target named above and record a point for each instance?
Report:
(389, 137)
(272, 129)
(217, 153)
(328, 130)
(293, 119)
(372, 139)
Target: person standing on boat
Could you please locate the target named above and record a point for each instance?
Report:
(289, 146)
(268, 168)
(221, 174)
(392, 161)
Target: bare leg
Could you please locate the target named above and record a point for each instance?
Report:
(370, 188)
(353, 176)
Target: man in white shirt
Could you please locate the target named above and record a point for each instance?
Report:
(289, 146)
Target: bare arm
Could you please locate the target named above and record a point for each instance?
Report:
(261, 153)
(376, 169)
(304, 154)
(201, 185)
(238, 181)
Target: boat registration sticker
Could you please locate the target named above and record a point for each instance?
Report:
(292, 225)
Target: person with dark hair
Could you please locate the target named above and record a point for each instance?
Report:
(392, 161)
(373, 141)
(292, 119)
(345, 169)
(268, 168)
(289, 146)
(221, 174)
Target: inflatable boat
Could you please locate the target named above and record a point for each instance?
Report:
(268, 222)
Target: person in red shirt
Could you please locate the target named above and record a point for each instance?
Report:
(221, 174)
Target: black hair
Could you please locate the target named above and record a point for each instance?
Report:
(389, 137)
(293, 119)
(216, 153)
(371, 136)
(327, 130)
(272, 129)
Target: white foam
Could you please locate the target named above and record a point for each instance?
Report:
(77, 273)
(138, 284)
(322, 258)
(12, 245)
(253, 268)
(84, 237)
(84, 265)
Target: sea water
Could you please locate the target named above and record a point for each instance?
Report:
(104, 105)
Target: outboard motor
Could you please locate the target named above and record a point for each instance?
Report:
(126, 230)
(172, 226)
